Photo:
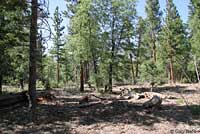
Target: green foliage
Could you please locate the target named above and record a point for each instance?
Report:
(174, 47)
(153, 22)
(152, 73)
(195, 110)
(13, 39)
(194, 25)
(58, 50)
(102, 34)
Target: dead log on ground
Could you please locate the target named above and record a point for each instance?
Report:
(11, 100)
(154, 102)
(85, 105)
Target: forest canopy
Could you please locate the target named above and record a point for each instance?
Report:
(106, 43)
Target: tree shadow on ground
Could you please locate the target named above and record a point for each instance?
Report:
(57, 118)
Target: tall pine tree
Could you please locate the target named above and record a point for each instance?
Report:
(173, 37)
(194, 24)
(58, 42)
(153, 22)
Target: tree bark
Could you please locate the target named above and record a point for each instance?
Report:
(132, 69)
(196, 69)
(138, 57)
(82, 77)
(111, 68)
(110, 77)
(86, 71)
(33, 46)
(1, 89)
(22, 83)
(154, 52)
(58, 72)
(172, 71)
(112, 56)
(95, 69)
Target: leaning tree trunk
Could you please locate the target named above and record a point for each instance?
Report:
(33, 46)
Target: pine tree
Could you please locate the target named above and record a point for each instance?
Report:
(194, 24)
(115, 16)
(173, 37)
(140, 30)
(12, 18)
(83, 39)
(153, 22)
(58, 42)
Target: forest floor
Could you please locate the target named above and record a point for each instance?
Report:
(63, 115)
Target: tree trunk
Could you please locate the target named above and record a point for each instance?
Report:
(33, 46)
(153, 39)
(138, 57)
(111, 69)
(1, 89)
(154, 51)
(82, 77)
(21, 83)
(110, 77)
(172, 71)
(196, 69)
(168, 72)
(95, 69)
(58, 72)
(112, 56)
(132, 69)
(86, 71)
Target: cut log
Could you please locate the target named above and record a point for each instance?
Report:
(154, 102)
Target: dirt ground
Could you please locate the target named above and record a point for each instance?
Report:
(64, 115)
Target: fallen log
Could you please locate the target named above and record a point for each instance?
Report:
(85, 105)
(154, 102)
(11, 100)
